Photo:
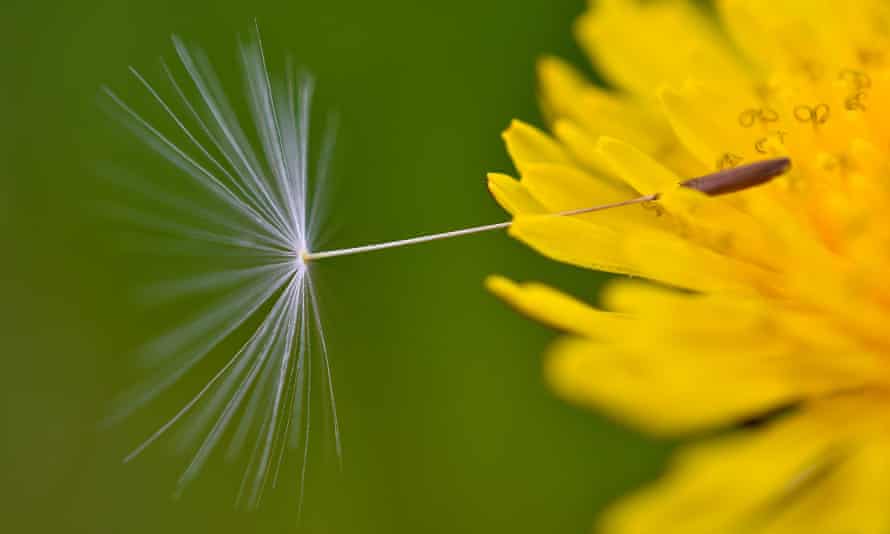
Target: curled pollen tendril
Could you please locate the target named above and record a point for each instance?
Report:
(728, 161)
(859, 83)
(750, 117)
(767, 145)
(856, 78)
(815, 115)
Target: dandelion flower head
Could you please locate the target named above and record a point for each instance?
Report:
(768, 305)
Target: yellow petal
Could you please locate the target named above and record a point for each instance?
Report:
(568, 98)
(581, 144)
(820, 353)
(661, 389)
(527, 145)
(575, 242)
(815, 471)
(806, 35)
(638, 170)
(680, 311)
(720, 225)
(640, 45)
(512, 196)
(639, 252)
(852, 497)
(708, 125)
(562, 188)
(552, 307)
(561, 86)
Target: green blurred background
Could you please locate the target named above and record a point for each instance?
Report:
(447, 424)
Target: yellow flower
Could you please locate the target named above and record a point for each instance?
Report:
(772, 304)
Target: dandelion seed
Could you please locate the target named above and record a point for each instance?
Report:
(263, 207)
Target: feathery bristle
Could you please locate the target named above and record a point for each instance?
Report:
(262, 206)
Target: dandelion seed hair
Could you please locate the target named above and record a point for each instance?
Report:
(719, 183)
(247, 203)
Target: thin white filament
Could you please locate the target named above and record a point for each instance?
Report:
(270, 330)
(312, 256)
(238, 151)
(188, 164)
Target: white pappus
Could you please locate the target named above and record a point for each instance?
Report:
(256, 206)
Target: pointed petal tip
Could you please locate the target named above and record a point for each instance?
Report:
(498, 285)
